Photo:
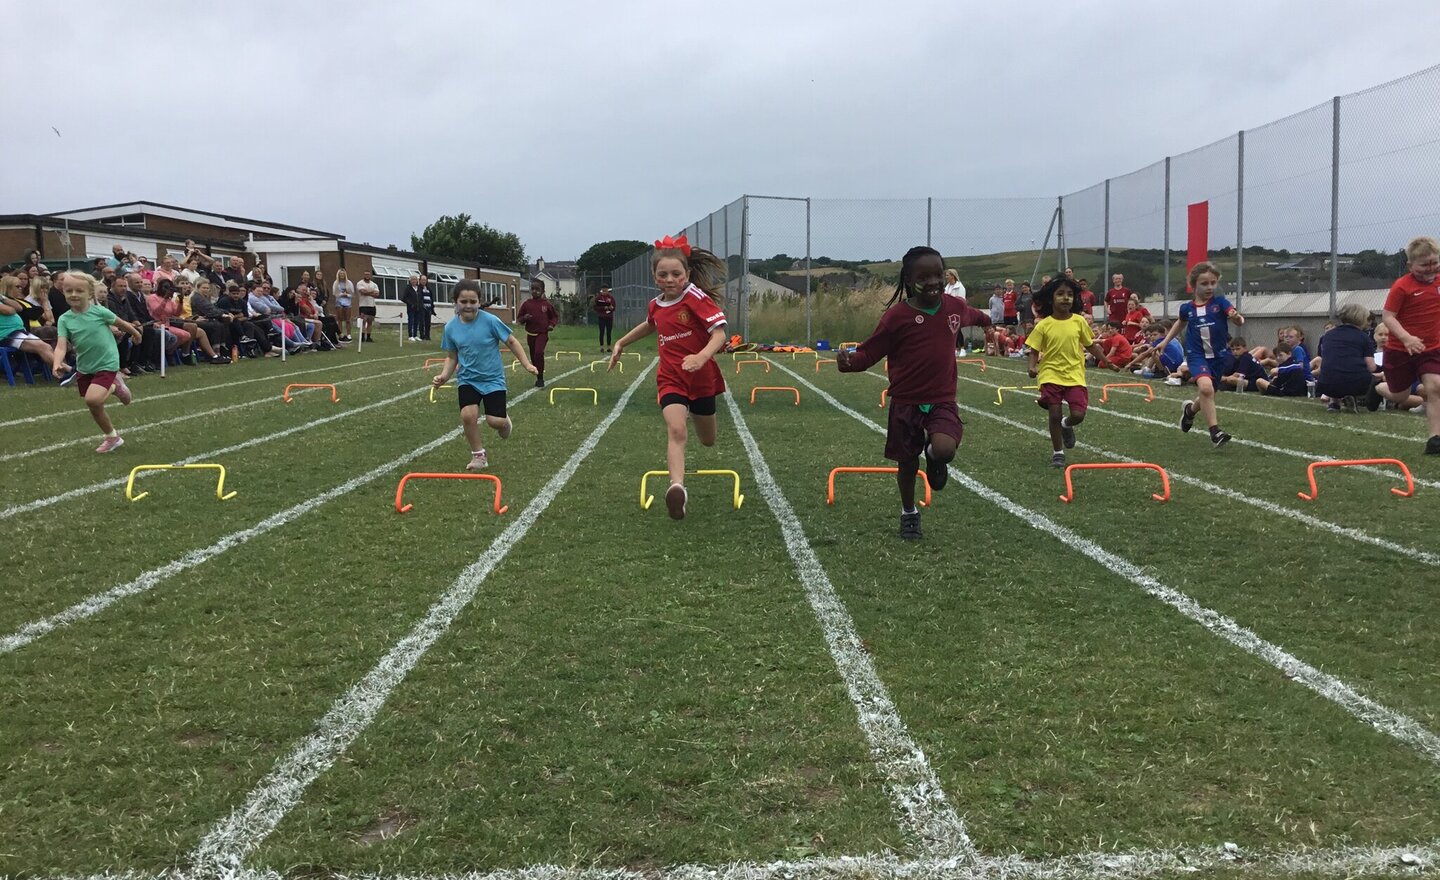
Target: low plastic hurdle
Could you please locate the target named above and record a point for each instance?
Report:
(980, 361)
(432, 361)
(790, 388)
(402, 507)
(620, 364)
(594, 395)
(1315, 489)
(334, 396)
(635, 355)
(1111, 466)
(1105, 390)
(220, 492)
(646, 499)
(739, 364)
(830, 484)
(434, 388)
(819, 360)
(578, 355)
(884, 392)
(999, 398)
(850, 345)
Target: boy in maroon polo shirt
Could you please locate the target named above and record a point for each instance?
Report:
(1412, 315)
(917, 334)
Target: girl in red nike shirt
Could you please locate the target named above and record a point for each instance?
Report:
(691, 326)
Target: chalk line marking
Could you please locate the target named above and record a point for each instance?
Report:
(225, 847)
(925, 813)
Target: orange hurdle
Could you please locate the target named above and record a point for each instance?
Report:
(739, 364)
(401, 507)
(791, 388)
(980, 361)
(819, 360)
(1105, 390)
(830, 486)
(430, 361)
(883, 393)
(334, 398)
(1070, 486)
(1315, 489)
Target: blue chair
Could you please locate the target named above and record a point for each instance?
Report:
(8, 354)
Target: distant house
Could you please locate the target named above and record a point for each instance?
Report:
(558, 277)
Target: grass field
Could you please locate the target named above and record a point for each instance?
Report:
(300, 681)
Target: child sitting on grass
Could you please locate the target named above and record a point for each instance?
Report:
(1288, 377)
(86, 326)
(1117, 348)
(1245, 372)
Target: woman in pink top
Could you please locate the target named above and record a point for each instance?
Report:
(165, 309)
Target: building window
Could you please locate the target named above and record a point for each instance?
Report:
(136, 220)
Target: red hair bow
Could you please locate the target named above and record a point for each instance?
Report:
(679, 244)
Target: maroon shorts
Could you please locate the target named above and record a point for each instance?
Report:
(909, 428)
(1078, 396)
(104, 378)
(1403, 369)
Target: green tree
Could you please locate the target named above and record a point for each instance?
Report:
(461, 238)
(599, 260)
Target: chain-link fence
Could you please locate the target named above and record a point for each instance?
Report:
(1321, 202)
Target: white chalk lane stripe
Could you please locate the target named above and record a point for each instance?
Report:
(92, 605)
(225, 847)
(1388, 721)
(150, 398)
(926, 815)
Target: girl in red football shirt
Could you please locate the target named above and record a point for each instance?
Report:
(691, 326)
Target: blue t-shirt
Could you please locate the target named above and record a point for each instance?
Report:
(1302, 357)
(1207, 328)
(1173, 355)
(477, 345)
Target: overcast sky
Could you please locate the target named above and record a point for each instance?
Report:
(570, 123)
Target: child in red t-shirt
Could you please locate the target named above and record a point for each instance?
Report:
(1412, 314)
(917, 335)
(1118, 350)
(691, 326)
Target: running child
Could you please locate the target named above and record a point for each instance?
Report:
(471, 341)
(86, 326)
(1202, 325)
(691, 326)
(917, 335)
(1056, 352)
(1412, 353)
(538, 317)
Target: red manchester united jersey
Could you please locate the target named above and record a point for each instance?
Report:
(684, 327)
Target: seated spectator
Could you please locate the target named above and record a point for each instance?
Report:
(310, 308)
(165, 306)
(1288, 377)
(212, 319)
(1118, 351)
(1245, 371)
(13, 334)
(1136, 317)
(1380, 392)
(38, 316)
(235, 302)
(1348, 354)
(1150, 363)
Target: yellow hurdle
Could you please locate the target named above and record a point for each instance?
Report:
(739, 364)
(1000, 399)
(219, 487)
(620, 364)
(578, 355)
(434, 388)
(646, 499)
(594, 395)
(634, 354)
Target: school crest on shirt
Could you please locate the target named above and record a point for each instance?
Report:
(919, 319)
(954, 321)
(682, 316)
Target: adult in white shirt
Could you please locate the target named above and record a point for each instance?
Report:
(366, 290)
(954, 288)
(343, 295)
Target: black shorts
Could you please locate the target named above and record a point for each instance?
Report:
(492, 404)
(1011, 321)
(701, 406)
(367, 310)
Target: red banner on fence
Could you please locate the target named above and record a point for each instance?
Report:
(1198, 236)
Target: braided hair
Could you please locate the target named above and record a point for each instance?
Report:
(907, 269)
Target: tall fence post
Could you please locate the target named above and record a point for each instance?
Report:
(809, 338)
(710, 245)
(725, 221)
(1240, 222)
(1165, 285)
(1060, 250)
(929, 217)
(744, 286)
(1106, 276)
(1334, 205)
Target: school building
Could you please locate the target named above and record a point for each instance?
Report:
(153, 230)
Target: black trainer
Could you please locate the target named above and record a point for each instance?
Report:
(1219, 438)
(1187, 417)
(937, 473)
(1057, 460)
(1432, 446)
(1067, 436)
(910, 526)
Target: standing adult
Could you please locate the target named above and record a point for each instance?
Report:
(605, 315)
(1117, 300)
(343, 291)
(366, 291)
(538, 317)
(410, 296)
(954, 288)
(427, 307)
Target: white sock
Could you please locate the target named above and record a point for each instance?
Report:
(113, 433)
(480, 451)
(911, 510)
(1065, 422)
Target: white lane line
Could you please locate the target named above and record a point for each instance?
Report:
(1265, 414)
(926, 816)
(1388, 721)
(1241, 441)
(1341, 863)
(136, 429)
(225, 847)
(92, 605)
(74, 411)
